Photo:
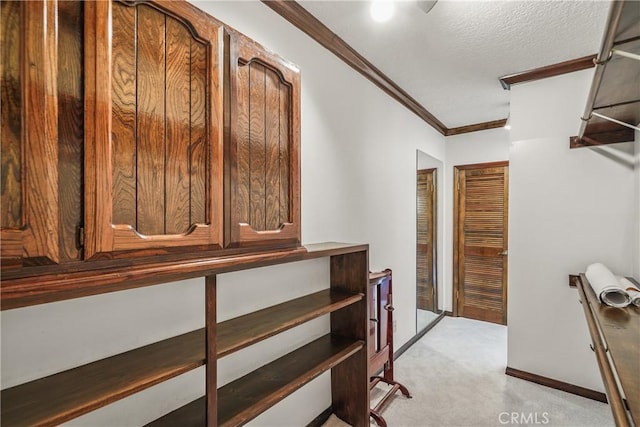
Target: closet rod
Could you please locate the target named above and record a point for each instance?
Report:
(602, 116)
(626, 54)
(613, 20)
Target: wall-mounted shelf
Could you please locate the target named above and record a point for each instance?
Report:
(69, 394)
(245, 398)
(614, 332)
(613, 104)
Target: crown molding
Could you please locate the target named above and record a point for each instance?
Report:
(548, 71)
(495, 124)
(309, 24)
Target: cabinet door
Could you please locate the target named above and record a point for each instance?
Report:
(29, 154)
(153, 128)
(262, 202)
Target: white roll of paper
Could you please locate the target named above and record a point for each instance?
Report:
(607, 286)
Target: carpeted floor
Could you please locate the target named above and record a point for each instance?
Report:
(456, 376)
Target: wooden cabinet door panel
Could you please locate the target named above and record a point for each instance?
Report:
(154, 110)
(29, 220)
(263, 139)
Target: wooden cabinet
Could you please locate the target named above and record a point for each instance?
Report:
(153, 105)
(262, 157)
(30, 149)
(114, 130)
(66, 395)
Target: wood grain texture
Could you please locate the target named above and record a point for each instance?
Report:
(124, 114)
(193, 414)
(272, 150)
(69, 394)
(350, 380)
(20, 290)
(41, 131)
(257, 149)
(494, 124)
(211, 325)
(263, 147)
(285, 197)
(30, 225)
(425, 251)
(480, 266)
(245, 398)
(150, 129)
(199, 160)
(11, 97)
(614, 333)
(547, 71)
(243, 331)
(178, 122)
(70, 125)
(161, 152)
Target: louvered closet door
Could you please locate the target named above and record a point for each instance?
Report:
(482, 207)
(425, 259)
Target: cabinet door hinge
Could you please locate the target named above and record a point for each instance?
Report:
(80, 237)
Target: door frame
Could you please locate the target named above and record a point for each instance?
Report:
(457, 229)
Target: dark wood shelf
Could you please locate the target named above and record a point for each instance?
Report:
(97, 277)
(69, 394)
(240, 332)
(614, 332)
(66, 395)
(245, 398)
(193, 414)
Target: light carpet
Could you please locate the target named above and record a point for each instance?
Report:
(456, 376)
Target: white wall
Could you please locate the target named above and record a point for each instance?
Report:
(466, 149)
(358, 185)
(568, 208)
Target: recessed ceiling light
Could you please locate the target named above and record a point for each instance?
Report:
(382, 10)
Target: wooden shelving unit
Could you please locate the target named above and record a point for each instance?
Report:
(69, 394)
(247, 397)
(614, 333)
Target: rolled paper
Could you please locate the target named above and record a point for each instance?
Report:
(607, 286)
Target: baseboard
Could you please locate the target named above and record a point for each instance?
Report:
(558, 385)
(448, 313)
(417, 336)
(321, 419)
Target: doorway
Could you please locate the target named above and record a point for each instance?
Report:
(480, 241)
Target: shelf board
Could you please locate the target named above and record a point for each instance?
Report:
(193, 414)
(43, 284)
(243, 331)
(66, 395)
(60, 397)
(245, 398)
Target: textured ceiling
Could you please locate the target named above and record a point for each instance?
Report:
(450, 59)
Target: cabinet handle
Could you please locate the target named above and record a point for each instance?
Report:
(374, 320)
(592, 348)
(388, 307)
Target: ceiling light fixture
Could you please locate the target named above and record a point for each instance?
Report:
(382, 10)
(426, 5)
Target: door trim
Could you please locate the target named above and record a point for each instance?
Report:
(456, 226)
